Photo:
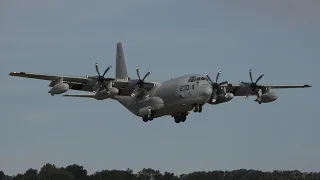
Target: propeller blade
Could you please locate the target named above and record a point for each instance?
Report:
(217, 77)
(209, 78)
(106, 71)
(259, 78)
(145, 76)
(97, 69)
(138, 74)
(250, 74)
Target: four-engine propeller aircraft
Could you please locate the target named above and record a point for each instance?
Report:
(151, 99)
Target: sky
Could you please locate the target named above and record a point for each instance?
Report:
(170, 38)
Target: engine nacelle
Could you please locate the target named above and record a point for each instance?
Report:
(145, 111)
(221, 98)
(59, 88)
(104, 94)
(268, 97)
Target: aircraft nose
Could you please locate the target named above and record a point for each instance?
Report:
(207, 91)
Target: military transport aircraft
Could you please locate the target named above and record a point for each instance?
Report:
(151, 99)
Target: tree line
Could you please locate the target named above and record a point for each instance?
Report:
(78, 172)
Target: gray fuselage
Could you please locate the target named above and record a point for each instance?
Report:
(172, 96)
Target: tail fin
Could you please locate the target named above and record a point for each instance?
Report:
(121, 64)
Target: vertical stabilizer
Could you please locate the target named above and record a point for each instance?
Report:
(121, 64)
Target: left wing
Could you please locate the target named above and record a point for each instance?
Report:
(285, 86)
(243, 90)
(260, 86)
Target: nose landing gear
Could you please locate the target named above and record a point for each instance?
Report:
(149, 117)
(197, 108)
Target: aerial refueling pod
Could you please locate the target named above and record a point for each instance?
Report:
(267, 96)
(59, 87)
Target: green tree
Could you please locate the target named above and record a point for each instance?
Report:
(149, 174)
(113, 174)
(30, 174)
(77, 171)
(169, 176)
(50, 171)
(2, 175)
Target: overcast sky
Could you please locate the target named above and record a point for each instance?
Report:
(170, 38)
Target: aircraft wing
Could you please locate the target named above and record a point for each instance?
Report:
(49, 77)
(81, 83)
(127, 86)
(260, 86)
(286, 86)
(243, 90)
(85, 83)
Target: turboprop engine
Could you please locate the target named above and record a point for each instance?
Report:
(59, 87)
(106, 93)
(219, 94)
(222, 98)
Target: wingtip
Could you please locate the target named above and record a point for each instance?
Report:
(15, 73)
(307, 85)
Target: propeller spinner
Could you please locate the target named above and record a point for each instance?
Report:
(140, 82)
(217, 86)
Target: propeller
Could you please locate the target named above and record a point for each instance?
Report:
(217, 86)
(140, 82)
(253, 85)
(101, 78)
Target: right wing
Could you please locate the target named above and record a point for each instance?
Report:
(86, 83)
(80, 83)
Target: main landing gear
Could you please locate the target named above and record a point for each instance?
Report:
(181, 117)
(197, 108)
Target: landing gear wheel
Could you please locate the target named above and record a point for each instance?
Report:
(177, 119)
(180, 118)
(183, 118)
(145, 119)
(195, 108)
(200, 109)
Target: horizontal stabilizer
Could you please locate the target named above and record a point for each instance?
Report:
(80, 95)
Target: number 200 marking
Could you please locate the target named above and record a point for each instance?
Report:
(184, 88)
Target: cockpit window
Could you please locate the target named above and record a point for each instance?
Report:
(194, 78)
